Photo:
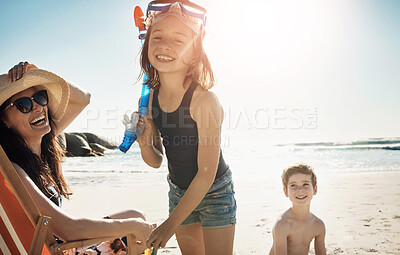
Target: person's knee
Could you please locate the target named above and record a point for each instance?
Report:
(135, 214)
(128, 214)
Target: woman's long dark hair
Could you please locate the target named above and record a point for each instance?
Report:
(44, 170)
(200, 71)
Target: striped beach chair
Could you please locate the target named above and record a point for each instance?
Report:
(23, 229)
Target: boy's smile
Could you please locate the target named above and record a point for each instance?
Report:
(300, 188)
(301, 197)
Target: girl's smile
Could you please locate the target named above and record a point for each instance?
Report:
(171, 46)
(165, 58)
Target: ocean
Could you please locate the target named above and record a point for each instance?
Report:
(246, 161)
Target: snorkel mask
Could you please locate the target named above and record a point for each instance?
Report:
(190, 14)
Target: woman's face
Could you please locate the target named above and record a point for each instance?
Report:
(31, 126)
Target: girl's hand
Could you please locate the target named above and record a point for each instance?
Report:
(145, 125)
(17, 71)
(160, 236)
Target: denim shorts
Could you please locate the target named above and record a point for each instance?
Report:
(216, 210)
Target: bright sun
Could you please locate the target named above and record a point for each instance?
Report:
(281, 40)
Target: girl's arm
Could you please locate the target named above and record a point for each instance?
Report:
(208, 115)
(319, 242)
(69, 228)
(78, 100)
(150, 143)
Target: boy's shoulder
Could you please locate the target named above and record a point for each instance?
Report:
(317, 222)
(284, 221)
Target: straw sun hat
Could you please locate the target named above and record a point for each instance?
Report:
(56, 87)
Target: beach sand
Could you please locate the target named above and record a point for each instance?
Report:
(361, 211)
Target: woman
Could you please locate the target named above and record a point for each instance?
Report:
(36, 106)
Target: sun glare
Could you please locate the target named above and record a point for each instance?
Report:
(278, 42)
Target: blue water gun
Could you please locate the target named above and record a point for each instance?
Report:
(131, 131)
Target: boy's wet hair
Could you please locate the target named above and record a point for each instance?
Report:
(298, 169)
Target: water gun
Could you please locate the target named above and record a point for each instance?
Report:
(131, 130)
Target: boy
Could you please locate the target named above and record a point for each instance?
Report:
(297, 227)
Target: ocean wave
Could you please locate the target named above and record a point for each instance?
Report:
(392, 148)
(369, 144)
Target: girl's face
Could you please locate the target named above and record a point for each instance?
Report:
(171, 46)
(32, 125)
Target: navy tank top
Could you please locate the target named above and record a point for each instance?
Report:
(180, 140)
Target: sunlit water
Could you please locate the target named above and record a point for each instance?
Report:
(254, 160)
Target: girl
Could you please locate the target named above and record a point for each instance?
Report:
(188, 117)
(35, 106)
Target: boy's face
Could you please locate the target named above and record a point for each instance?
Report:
(300, 189)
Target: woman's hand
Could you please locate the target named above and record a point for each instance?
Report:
(145, 230)
(145, 126)
(140, 233)
(160, 236)
(17, 71)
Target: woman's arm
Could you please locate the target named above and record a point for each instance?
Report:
(208, 115)
(78, 100)
(69, 228)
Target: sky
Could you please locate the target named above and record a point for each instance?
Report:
(290, 70)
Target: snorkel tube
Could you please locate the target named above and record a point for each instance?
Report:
(131, 130)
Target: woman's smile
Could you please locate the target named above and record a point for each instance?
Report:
(39, 121)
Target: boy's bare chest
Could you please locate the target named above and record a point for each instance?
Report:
(299, 238)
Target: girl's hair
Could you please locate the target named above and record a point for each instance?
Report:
(200, 71)
(44, 170)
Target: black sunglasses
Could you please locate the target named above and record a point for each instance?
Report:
(25, 104)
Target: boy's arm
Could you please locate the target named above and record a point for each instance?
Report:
(280, 235)
(319, 242)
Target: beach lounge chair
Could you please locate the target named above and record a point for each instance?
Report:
(23, 229)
